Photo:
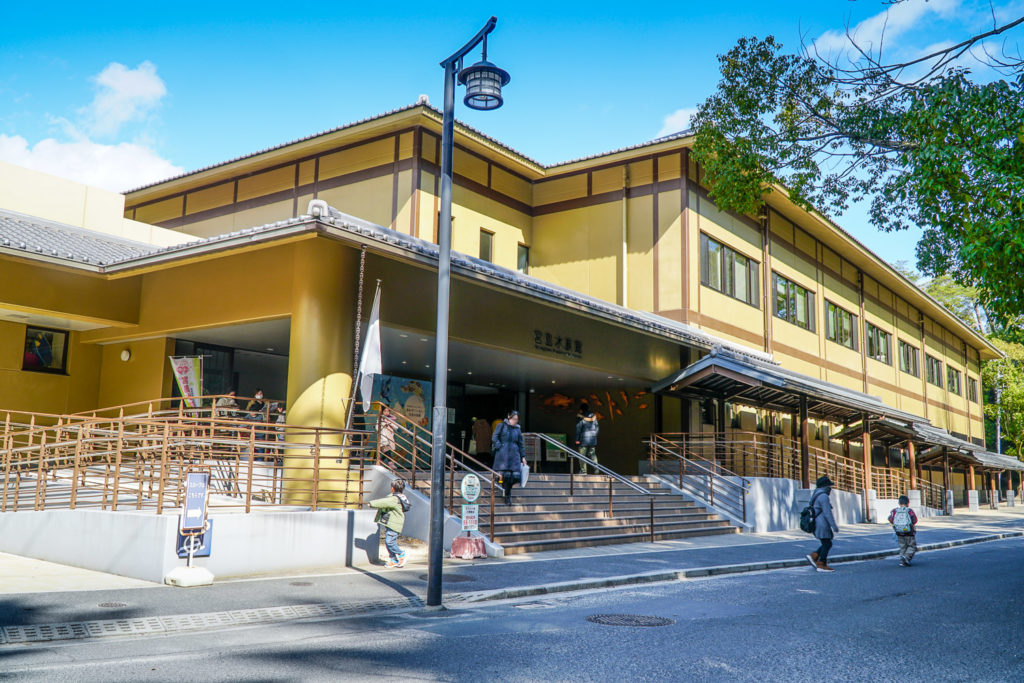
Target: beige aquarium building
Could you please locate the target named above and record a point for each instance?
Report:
(612, 279)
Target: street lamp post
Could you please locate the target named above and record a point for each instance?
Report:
(483, 83)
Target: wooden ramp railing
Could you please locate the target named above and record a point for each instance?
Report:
(114, 460)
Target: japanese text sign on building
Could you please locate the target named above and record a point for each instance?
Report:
(470, 517)
(562, 345)
(196, 486)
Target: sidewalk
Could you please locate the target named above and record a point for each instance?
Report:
(77, 595)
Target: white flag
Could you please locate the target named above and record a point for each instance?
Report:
(371, 363)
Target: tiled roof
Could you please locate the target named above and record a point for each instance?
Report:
(58, 241)
(437, 112)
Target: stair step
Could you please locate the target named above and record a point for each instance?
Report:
(514, 547)
(591, 530)
(503, 525)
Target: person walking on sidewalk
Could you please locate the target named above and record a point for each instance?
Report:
(904, 523)
(586, 434)
(391, 518)
(825, 527)
(509, 453)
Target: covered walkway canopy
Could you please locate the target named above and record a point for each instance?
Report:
(930, 442)
(750, 381)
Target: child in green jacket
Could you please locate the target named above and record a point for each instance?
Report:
(391, 518)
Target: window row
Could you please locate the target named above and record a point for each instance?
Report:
(487, 252)
(729, 272)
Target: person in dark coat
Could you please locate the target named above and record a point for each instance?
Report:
(509, 453)
(586, 434)
(825, 527)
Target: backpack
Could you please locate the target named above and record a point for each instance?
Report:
(902, 523)
(809, 517)
(404, 502)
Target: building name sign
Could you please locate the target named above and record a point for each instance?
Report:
(557, 344)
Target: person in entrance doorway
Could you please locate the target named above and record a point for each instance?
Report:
(586, 434)
(509, 453)
(482, 439)
(904, 524)
(391, 518)
(825, 527)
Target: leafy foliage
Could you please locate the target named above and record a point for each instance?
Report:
(1005, 377)
(942, 152)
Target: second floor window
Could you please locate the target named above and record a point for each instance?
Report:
(934, 368)
(793, 303)
(879, 344)
(909, 359)
(486, 245)
(972, 389)
(953, 381)
(840, 326)
(728, 271)
(523, 259)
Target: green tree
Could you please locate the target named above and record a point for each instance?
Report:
(938, 149)
(1005, 377)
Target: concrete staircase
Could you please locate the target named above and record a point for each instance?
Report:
(543, 516)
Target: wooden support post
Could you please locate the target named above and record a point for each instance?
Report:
(805, 445)
(912, 464)
(969, 484)
(866, 444)
(719, 428)
(945, 480)
(993, 498)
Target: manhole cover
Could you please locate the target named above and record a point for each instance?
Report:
(628, 620)
(113, 604)
(454, 578)
(301, 583)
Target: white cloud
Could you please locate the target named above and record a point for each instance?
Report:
(116, 167)
(123, 95)
(886, 27)
(677, 121)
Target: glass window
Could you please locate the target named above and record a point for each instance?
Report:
(909, 359)
(728, 272)
(486, 245)
(840, 326)
(878, 342)
(934, 370)
(972, 389)
(953, 380)
(46, 350)
(523, 259)
(793, 303)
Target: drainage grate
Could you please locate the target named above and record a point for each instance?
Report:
(301, 583)
(451, 578)
(628, 620)
(113, 604)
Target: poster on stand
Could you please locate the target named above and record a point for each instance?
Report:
(410, 397)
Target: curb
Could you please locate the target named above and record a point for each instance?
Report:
(704, 572)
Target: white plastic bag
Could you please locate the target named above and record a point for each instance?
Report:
(525, 473)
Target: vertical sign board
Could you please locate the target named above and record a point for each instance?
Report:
(196, 486)
(200, 544)
(470, 517)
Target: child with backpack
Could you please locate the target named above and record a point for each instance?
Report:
(904, 523)
(391, 518)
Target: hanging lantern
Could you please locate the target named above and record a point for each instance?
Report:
(483, 82)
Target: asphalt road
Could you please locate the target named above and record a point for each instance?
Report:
(956, 615)
(367, 586)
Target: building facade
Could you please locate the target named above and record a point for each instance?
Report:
(588, 280)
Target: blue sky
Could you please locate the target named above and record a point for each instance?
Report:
(130, 93)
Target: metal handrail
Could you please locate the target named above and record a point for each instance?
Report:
(611, 474)
(732, 498)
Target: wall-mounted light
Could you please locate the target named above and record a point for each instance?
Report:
(126, 355)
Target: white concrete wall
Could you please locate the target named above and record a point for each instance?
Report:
(141, 545)
(775, 504)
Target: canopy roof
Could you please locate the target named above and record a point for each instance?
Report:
(747, 380)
